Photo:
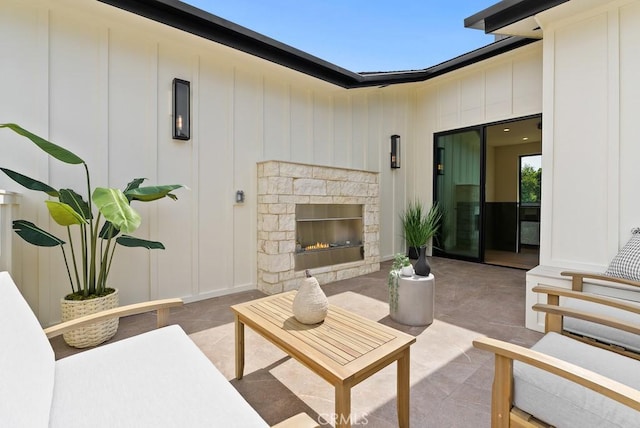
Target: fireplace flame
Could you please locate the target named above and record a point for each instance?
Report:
(317, 246)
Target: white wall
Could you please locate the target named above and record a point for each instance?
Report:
(589, 146)
(505, 87)
(97, 80)
(591, 108)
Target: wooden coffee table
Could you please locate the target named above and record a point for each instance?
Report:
(344, 350)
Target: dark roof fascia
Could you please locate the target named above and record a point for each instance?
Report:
(200, 23)
(508, 12)
(486, 52)
(203, 24)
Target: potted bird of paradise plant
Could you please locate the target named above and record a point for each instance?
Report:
(95, 226)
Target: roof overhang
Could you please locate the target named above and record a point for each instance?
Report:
(190, 19)
(512, 17)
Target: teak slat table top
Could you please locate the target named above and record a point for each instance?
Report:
(344, 349)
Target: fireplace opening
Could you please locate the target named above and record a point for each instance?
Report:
(328, 234)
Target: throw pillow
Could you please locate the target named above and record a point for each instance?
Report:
(626, 264)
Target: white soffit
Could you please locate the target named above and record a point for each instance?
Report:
(528, 28)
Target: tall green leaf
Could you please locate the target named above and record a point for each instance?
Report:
(130, 241)
(64, 214)
(151, 193)
(78, 204)
(34, 235)
(54, 150)
(134, 184)
(108, 230)
(30, 183)
(114, 206)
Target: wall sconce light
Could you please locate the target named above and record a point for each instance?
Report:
(181, 110)
(440, 160)
(239, 196)
(395, 151)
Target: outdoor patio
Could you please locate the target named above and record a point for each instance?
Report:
(450, 380)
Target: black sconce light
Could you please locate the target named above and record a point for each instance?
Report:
(395, 151)
(181, 110)
(440, 160)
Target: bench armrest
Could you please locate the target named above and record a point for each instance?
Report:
(161, 306)
(589, 297)
(506, 353)
(555, 312)
(577, 279)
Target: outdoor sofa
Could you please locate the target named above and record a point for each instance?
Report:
(586, 377)
(156, 379)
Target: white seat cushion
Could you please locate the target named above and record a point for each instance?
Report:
(562, 403)
(27, 362)
(602, 332)
(157, 379)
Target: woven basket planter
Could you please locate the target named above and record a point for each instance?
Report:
(94, 334)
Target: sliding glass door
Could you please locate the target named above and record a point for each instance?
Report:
(458, 191)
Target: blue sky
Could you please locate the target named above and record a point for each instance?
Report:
(362, 35)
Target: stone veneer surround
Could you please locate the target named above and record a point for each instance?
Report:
(282, 185)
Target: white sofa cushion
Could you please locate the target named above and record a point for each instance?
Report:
(562, 403)
(602, 332)
(27, 362)
(156, 379)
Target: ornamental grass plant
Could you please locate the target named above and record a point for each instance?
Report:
(419, 225)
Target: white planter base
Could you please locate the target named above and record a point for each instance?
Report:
(416, 298)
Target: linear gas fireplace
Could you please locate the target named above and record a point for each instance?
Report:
(315, 217)
(328, 234)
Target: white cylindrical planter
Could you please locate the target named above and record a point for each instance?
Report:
(416, 299)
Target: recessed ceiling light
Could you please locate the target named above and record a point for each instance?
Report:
(506, 129)
(525, 138)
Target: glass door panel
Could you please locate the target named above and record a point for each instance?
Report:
(457, 189)
(530, 196)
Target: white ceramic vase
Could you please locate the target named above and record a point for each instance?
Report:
(310, 305)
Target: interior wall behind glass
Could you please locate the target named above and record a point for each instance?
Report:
(458, 192)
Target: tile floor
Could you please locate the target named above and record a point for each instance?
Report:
(450, 380)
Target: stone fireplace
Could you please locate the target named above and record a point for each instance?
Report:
(315, 217)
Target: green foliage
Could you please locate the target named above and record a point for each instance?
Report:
(418, 224)
(91, 263)
(30, 183)
(530, 180)
(399, 261)
(34, 235)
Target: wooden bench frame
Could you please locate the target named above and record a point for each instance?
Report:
(162, 308)
(503, 413)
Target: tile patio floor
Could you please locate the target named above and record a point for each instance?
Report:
(450, 380)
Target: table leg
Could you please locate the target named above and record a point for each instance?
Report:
(403, 389)
(239, 347)
(343, 406)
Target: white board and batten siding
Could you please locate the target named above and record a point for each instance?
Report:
(506, 87)
(590, 147)
(97, 80)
